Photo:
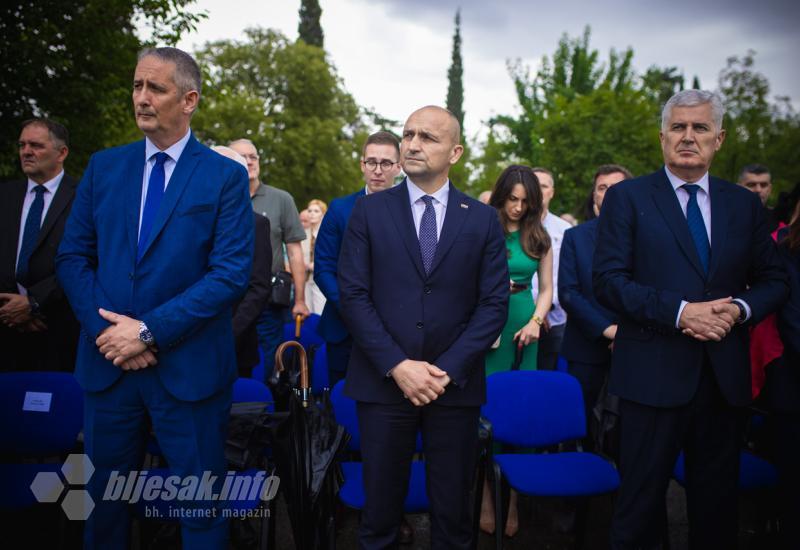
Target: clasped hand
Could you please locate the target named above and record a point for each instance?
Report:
(120, 342)
(706, 321)
(420, 381)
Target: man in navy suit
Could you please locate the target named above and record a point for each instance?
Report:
(157, 248)
(590, 332)
(685, 262)
(380, 164)
(423, 289)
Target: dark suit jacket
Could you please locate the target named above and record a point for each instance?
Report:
(395, 311)
(783, 378)
(646, 263)
(583, 338)
(247, 310)
(326, 262)
(55, 348)
(195, 265)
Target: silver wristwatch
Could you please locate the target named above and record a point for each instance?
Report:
(145, 335)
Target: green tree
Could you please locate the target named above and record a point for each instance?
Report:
(309, 28)
(73, 62)
(460, 173)
(287, 99)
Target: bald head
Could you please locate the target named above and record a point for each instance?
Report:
(454, 127)
(430, 145)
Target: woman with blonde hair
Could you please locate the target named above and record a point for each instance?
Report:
(315, 300)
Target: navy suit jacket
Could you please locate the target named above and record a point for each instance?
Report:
(395, 311)
(196, 264)
(583, 338)
(326, 264)
(646, 263)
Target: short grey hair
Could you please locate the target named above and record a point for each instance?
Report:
(230, 153)
(187, 73)
(241, 140)
(693, 98)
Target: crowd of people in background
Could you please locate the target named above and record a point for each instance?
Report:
(159, 276)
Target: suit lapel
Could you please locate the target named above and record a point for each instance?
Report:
(64, 194)
(719, 222)
(400, 211)
(177, 183)
(667, 202)
(133, 172)
(456, 213)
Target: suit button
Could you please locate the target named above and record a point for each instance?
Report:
(420, 325)
(427, 290)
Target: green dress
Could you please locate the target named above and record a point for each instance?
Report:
(520, 310)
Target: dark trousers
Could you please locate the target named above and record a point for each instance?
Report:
(338, 357)
(270, 334)
(592, 376)
(388, 440)
(549, 347)
(708, 430)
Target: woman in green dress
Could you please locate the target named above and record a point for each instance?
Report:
(518, 201)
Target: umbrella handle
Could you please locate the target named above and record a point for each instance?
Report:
(304, 385)
(298, 322)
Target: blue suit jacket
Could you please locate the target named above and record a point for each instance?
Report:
(646, 263)
(196, 264)
(583, 338)
(395, 311)
(326, 264)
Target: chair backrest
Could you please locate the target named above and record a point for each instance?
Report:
(308, 332)
(247, 390)
(319, 370)
(41, 413)
(344, 409)
(534, 408)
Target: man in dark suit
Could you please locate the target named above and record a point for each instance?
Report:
(380, 164)
(38, 331)
(685, 262)
(157, 249)
(423, 289)
(757, 178)
(591, 328)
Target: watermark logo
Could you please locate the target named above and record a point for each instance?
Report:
(172, 496)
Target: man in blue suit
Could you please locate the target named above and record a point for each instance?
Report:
(589, 335)
(157, 248)
(380, 164)
(423, 289)
(685, 262)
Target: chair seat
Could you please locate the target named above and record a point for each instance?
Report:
(352, 492)
(558, 474)
(754, 472)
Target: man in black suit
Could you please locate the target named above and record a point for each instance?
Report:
(685, 262)
(38, 330)
(756, 178)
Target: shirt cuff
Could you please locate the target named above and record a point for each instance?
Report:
(747, 312)
(684, 303)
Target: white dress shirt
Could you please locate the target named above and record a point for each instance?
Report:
(555, 227)
(50, 188)
(704, 203)
(415, 195)
(174, 152)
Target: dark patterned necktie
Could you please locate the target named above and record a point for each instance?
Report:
(427, 234)
(33, 223)
(697, 227)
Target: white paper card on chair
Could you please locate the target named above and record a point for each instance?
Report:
(37, 401)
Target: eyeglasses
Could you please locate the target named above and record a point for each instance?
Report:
(372, 164)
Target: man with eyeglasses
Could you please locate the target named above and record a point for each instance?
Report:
(285, 229)
(380, 166)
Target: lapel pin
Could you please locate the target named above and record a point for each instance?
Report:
(464, 205)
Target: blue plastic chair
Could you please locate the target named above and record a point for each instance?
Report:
(26, 434)
(540, 409)
(308, 332)
(755, 473)
(352, 492)
(319, 371)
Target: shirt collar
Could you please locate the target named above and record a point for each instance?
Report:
(440, 196)
(51, 186)
(678, 182)
(174, 151)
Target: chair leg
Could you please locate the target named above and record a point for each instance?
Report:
(476, 507)
(581, 523)
(499, 506)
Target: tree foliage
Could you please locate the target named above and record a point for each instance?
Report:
(460, 173)
(309, 28)
(287, 99)
(73, 62)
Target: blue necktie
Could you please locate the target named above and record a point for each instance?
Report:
(155, 192)
(696, 225)
(427, 234)
(33, 223)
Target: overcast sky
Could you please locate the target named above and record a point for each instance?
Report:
(393, 55)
